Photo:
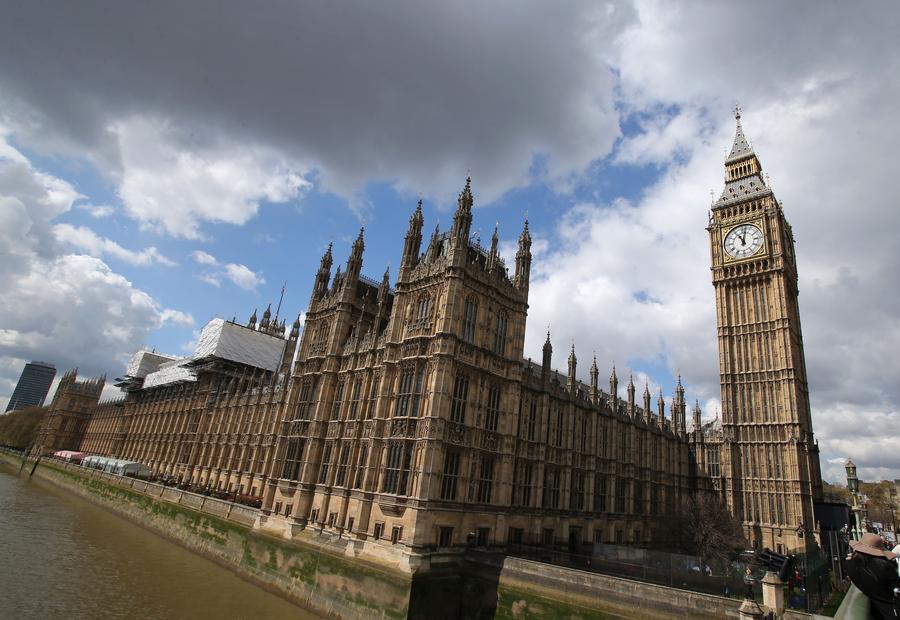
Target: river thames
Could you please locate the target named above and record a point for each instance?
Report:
(64, 557)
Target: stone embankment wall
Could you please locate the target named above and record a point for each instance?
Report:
(318, 576)
(530, 589)
(314, 576)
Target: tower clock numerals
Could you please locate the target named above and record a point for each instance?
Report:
(743, 241)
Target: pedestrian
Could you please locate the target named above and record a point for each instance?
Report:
(872, 569)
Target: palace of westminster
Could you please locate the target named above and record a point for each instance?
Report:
(405, 418)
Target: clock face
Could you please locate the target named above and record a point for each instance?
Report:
(743, 241)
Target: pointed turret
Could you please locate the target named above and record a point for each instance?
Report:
(434, 245)
(630, 392)
(661, 409)
(412, 244)
(743, 172)
(548, 356)
(678, 409)
(697, 423)
(385, 287)
(322, 276)
(741, 147)
(354, 262)
(291, 348)
(382, 300)
(462, 219)
(614, 390)
(264, 324)
(523, 259)
(338, 279)
(595, 375)
(252, 322)
(648, 414)
(573, 363)
(494, 256)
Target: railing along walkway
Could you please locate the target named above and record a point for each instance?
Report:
(231, 511)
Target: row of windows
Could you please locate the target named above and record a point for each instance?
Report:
(470, 320)
(459, 401)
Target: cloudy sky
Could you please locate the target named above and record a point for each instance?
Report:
(164, 163)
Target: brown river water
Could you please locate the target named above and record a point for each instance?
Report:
(62, 557)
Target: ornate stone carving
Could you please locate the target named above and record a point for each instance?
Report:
(369, 428)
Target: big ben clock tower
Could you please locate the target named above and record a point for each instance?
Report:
(770, 458)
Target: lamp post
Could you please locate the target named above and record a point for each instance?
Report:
(853, 486)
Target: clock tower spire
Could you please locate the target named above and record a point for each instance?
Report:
(770, 459)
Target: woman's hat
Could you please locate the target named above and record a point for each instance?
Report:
(871, 544)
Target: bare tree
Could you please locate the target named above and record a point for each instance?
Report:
(704, 527)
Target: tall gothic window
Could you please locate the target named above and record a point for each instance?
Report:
(354, 399)
(304, 404)
(621, 488)
(372, 400)
(638, 498)
(599, 493)
(485, 479)
(409, 396)
(424, 308)
(470, 315)
(343, 462)
(492, 414)
(293, 459)
(460, 396)
(576, 501)
(338, 401)
(531, 426)
(396, 471)
(361, 467)
(559, 426)
(551, 487)
(522, 484)
(326, 463)
(712, 461)
(500, 335)
(450, 477)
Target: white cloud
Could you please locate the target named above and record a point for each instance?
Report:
(97, 211)
(202, 258)
(87, 240)
(240, 275)
(358, 93)
(71, 310)
(173, 184)
(210, 279)
(632, 279)
(175, 317)
(243, 277)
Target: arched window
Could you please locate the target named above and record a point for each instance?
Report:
(500, 334)
(470, 315)
(424, 308)
(409, 393)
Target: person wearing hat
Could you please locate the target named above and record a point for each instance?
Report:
(872, 569)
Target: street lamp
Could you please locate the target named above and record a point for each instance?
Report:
(853, 486)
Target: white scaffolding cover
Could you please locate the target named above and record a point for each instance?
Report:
(170, 372)
(229, 341)
(144, 362)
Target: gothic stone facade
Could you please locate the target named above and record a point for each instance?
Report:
(414, 420)
(410, 420)
(769, 456)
